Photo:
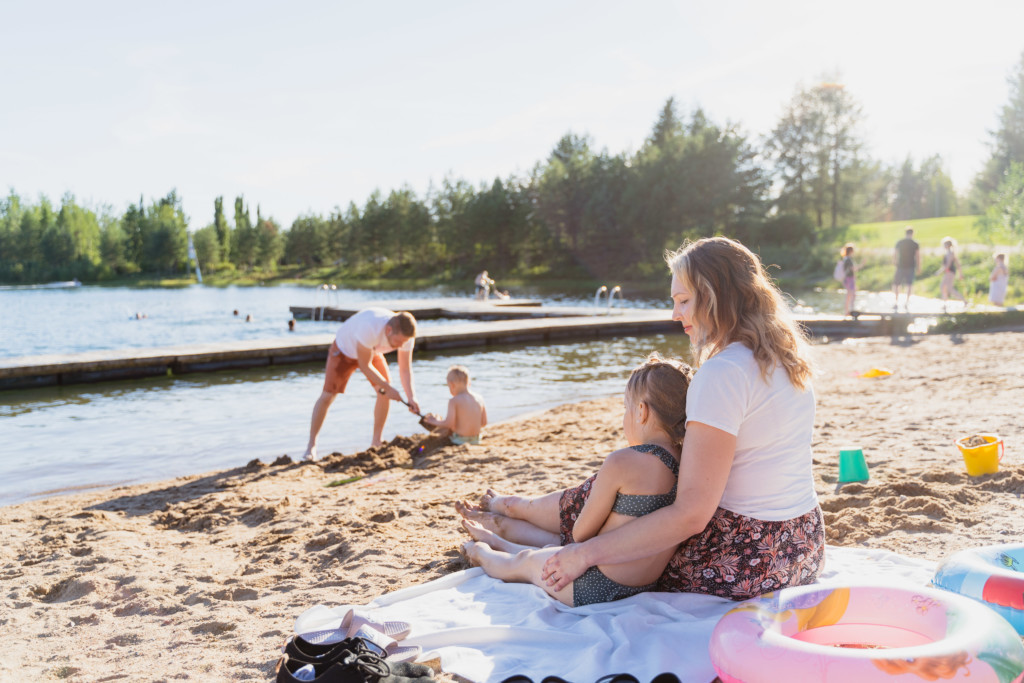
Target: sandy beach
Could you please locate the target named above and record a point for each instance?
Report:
(201, 578)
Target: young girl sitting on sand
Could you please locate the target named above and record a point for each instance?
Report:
(632, 482)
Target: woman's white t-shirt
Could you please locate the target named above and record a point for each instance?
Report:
(771, 476)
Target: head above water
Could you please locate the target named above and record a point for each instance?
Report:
(662, 384)
(734, 300)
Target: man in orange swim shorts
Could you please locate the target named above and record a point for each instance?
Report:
(361, 342)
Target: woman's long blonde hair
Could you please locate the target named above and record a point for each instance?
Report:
(736, 301)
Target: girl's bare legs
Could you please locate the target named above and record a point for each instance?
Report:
(479, 533)
(540, 511)
(515, 531)
(521, 567)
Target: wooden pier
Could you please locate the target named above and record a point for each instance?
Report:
(583, 323)
(450, 307)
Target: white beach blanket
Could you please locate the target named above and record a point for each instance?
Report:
(486, 630)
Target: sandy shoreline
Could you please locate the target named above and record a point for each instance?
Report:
(201, 578)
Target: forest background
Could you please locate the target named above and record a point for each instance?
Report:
(581, 215)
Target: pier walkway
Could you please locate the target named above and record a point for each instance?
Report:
(582, 323)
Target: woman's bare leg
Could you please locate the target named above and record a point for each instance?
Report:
(522, 567)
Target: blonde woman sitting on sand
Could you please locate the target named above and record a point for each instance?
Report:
(745, 517)
(632, 482)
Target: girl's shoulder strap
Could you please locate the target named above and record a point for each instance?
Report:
(661, 453)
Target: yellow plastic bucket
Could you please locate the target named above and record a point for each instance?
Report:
(984, 458)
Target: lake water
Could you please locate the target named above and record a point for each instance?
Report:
(58, 439)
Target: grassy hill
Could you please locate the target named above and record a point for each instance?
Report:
(927, 231)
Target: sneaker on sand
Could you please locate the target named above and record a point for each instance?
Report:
(298, 649)
(353, 668)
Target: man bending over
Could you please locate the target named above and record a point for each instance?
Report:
(361, 342)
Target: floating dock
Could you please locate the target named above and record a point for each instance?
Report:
(485, 331)
(451, 307)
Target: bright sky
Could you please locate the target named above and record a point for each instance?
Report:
(304, 106)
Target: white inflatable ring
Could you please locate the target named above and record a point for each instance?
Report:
(993, 575)
(860, 634)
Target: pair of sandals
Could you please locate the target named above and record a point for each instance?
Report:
(667, 677)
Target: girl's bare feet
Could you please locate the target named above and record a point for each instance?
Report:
(485, 520)
(494, 502)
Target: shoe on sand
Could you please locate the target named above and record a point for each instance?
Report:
(298, 649)
(353, 668)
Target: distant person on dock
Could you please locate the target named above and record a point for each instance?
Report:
(361, 342)
(951, 270)
(483, 284)
(849, 278)
(907, 260)
(291, 325)
(467, 414)
(998, 280)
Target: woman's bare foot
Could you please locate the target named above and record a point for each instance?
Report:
(470, 553)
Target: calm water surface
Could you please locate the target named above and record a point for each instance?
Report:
(84, 436)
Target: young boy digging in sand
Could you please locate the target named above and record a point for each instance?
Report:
(467, 414)
(632, 482)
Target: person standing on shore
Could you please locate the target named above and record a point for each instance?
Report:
(849, 278)
(361, 342)
(951, 270)
(907, 259)
(998, 280)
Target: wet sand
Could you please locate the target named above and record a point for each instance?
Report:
(201, 578)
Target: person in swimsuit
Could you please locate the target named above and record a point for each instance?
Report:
(631, 483)
(467, 414)
(999, 278)
(849, 278)
(951, 271)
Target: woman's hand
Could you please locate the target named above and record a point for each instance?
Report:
(564, 567)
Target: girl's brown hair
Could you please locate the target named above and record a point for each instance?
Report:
(736, 301)
(662, 383)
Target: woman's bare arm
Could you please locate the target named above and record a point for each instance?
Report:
(703, 471)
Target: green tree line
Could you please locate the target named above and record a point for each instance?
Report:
(582, 211)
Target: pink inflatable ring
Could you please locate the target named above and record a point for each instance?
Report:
(859, 634)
